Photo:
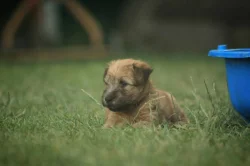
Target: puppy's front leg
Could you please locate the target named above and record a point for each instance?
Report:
(106, 126)
(114, 120)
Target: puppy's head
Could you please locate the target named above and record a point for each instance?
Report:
(125, 82)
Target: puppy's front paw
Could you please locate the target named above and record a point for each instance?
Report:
(106, 126)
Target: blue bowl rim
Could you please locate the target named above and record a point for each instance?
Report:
(230, 53)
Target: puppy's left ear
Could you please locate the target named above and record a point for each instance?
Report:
(142, 71)
(107, 68)
(105, 72)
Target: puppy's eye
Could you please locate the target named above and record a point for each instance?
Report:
(123, 83)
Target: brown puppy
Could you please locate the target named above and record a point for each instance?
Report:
(130, 97)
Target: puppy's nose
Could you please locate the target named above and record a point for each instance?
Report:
(109, 98)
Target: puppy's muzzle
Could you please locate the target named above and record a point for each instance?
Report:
(108, 99)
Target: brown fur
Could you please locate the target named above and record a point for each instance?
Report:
(130, 97)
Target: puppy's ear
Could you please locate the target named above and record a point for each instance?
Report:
(107, 68)
(105, 72)
(142, 71)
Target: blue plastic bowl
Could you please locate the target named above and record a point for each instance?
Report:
(237, 63)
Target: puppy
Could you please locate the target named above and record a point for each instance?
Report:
(130, 97)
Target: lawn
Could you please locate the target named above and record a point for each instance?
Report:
(46, 119)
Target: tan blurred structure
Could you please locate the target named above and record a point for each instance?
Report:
(141, 25)
(84, 17)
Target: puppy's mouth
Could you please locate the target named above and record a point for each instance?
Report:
(112, 107)
(115, 107)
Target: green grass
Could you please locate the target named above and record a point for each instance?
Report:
(47, 120)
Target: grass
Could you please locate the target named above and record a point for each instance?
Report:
(46, 119)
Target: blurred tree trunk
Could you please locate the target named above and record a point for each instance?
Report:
(50, 23)
(44, 23)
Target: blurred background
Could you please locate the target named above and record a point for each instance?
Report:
(123, 25)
